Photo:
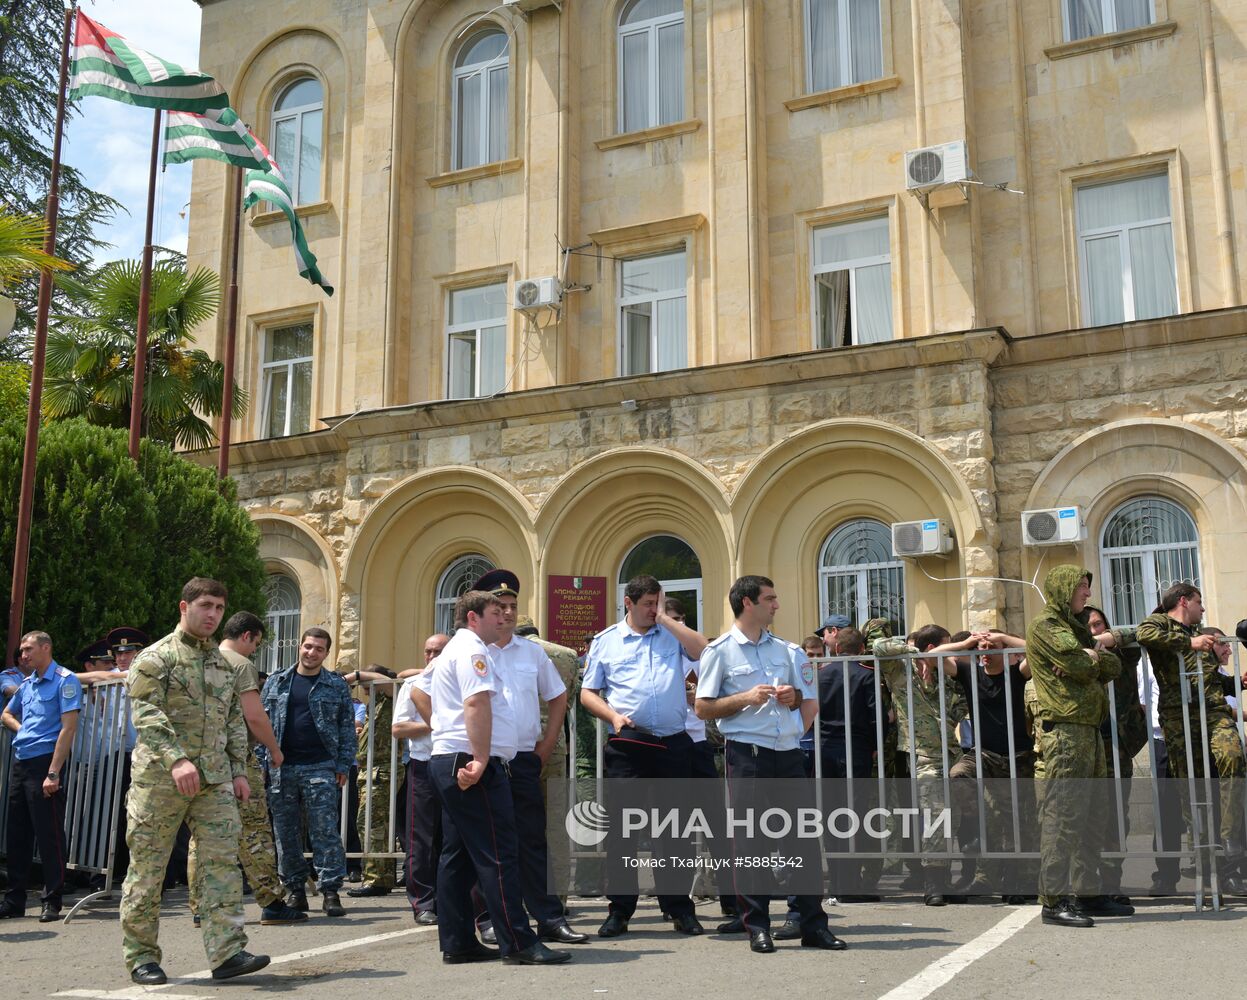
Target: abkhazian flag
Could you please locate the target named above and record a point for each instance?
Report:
(218, 134)
(105, 65)
(270, 185)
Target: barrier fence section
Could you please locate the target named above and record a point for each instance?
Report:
(1197, 786)
(376, 821)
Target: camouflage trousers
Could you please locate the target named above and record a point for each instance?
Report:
(255, 845)
(307, 791)
(998, 802)
(378, 871)
(929, 775)
(1226, 755)
(1071, 816)
(154, 812)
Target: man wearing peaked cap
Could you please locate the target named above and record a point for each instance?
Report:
(97, 656)
(126, 642)
(499, 582)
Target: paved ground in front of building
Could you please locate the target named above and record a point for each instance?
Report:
(900, 950)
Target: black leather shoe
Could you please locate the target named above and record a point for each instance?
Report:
(148, 974)
(732, 926)
(687, 923)
(331, 903)
(368, 890)
(537, 954)
(242, 964)
(279, 913)
(561, 933)
(49, 913)
(1065, 916)
(1013, 900)
(478, 954)
(789, 930)
(935, 899)
(427, 918)
(296, 899)
(1105, 906)
(613, 926)
(489, 936)
(822, 938)
(7, 910)
(760, 941)
(1232, 885)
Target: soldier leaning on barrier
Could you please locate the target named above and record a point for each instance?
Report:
(189, 764)
(1174, 646)
(1070, 674)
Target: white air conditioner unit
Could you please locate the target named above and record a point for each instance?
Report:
(929, 537)
(932, 166)
(1053, 526)
(537, 293)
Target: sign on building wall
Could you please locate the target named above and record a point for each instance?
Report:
(576, 608)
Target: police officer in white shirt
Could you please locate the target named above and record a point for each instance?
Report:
(529, 678)
(474, 741)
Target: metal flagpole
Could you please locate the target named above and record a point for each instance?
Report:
(231, 332)
(145, 292)
(21, 551)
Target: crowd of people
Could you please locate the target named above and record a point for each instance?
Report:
(249, 773)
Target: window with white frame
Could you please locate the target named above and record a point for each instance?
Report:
(298, 137)
(653, 313)
(479, 100)
(843, 43)
(286, 375)
(1125, 248)
(1148, 545)
(1086, 18)
(476, 331)
(457, 579)
(650, 61)
(859, 577)
(852, 283)
(282, 624)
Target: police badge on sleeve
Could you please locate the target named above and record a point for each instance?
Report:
(480, 666)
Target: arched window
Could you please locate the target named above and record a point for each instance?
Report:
(479, 100)
(676, 566)
(1148, 544)
(650, 64)
(455, 580)
(283, 624)
(298, 137)
(859, 577)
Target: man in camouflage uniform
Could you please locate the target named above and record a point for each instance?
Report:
(189, 764)
(1069, 674)
(243, 634)
(378, 871)
(1175, 647)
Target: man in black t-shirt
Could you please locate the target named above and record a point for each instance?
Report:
(993, 683)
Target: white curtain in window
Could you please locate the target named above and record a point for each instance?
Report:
(833, 307)
(492, 357)
(301, 399)
(1122, 203)
(1151, 267)
(1086, 18)
(1105, 280)
(670, 73)
(672, 335)
(874, 303)
(1132, 13)
(285, 145)
(276, 391)
(498, 113)
(824, 44)
(851, 241)
(462, 365)
(309, 157)
(637, 321)
(866, 39)
(469, 124)
(476, 305)
(635, 87)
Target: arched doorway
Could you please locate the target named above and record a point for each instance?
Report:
(675, 564)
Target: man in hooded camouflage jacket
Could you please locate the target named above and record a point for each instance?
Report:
(1069, 675)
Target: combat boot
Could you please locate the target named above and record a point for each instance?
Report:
(332, 904)
(296, 899)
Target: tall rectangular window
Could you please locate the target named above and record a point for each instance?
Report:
(1085, 18)
(477, 341)
(843, 43)
(1125, 248)
(650, 58)
(852, 283)
(653, 314)
(286, 375)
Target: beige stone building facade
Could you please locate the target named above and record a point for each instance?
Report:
(768, 347)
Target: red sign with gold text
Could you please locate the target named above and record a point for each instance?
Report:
(576, 607)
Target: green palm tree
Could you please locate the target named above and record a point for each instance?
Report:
(21, 249)
(90, 359)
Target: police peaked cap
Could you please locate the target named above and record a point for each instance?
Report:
(99, 650)
(498, 582)
(124, 639)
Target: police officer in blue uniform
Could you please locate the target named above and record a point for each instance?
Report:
(754, 683)
(44, 716)
(634, 680)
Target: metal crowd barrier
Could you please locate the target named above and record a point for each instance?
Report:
(376, 812)
(1202, 849)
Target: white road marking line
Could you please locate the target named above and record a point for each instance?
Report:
(138, 992)
(943, 969)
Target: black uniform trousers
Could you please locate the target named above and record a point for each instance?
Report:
(424, 837)
(34, 817)
(479, 845)
(747, 763)
(529, 801)
(635, 755)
